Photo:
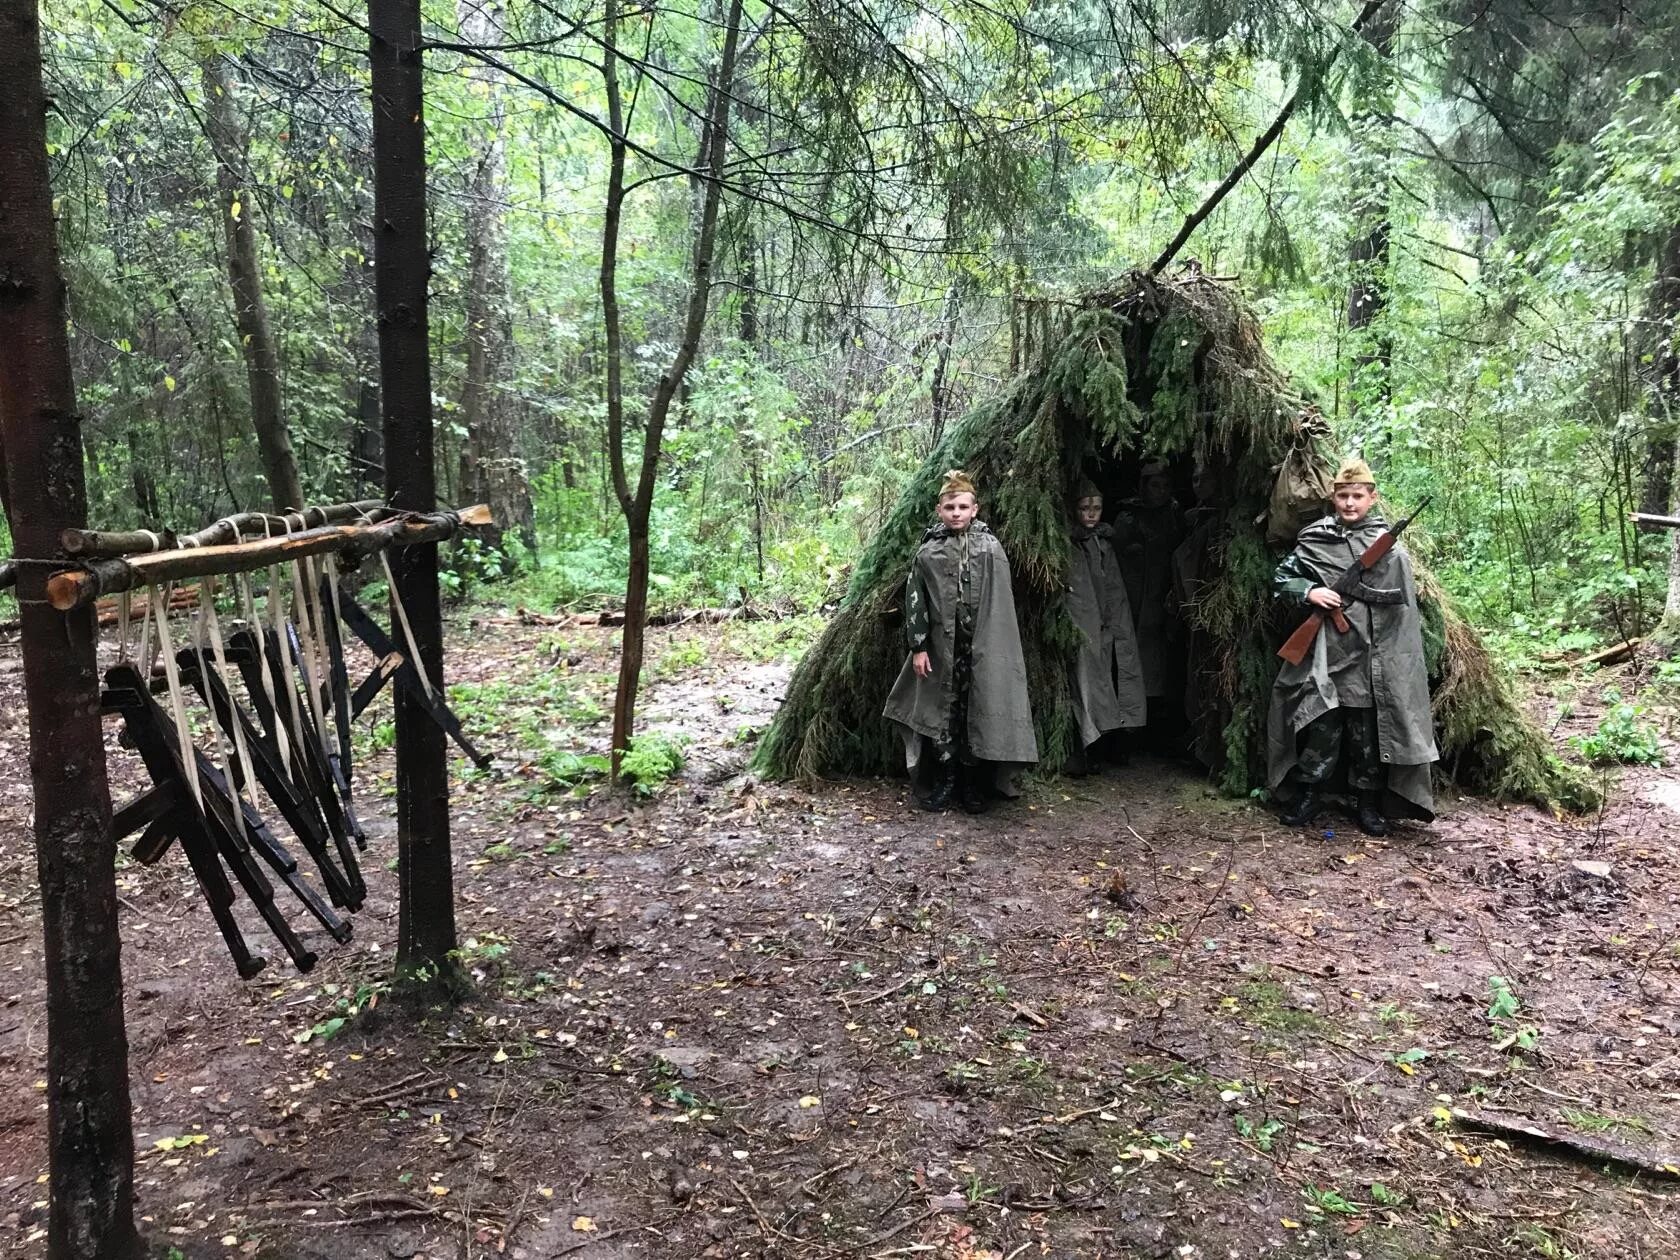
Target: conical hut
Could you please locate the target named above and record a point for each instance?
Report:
(1170, 370)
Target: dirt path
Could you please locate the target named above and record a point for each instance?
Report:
(1124, 1018)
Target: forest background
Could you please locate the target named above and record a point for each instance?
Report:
(1465, 247)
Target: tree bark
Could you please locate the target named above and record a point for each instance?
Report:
(637, 504)
(1663, 309)
(90, 1141)
(491, 468)
(402, 272)
(250, 315)
(1368, 251)
(939, 388)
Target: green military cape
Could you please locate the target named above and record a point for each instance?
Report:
(1399, 673)
(1108, 691)
(1000, 724)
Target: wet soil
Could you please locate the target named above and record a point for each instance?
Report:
(1122, 1017)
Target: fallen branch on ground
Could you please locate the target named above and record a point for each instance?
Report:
(1588, 1147)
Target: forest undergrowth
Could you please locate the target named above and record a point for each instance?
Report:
(713, 1017)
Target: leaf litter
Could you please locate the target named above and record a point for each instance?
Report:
(1124, 1018)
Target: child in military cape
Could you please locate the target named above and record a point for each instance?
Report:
(1359, 698)
(1108, 690)
(962, 694)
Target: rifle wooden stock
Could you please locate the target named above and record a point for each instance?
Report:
(1296, 647)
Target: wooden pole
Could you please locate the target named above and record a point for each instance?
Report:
(90, 1136)
(230, 529)
(402, 276)
(1648, 519)
(73, 588)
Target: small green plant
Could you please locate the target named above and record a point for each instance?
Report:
(680, 657)
(1328, 1202)
(346, 1006)
(1262, 1135)
(1599, 1122)
(1623, 736)
(1382, 1196)
(1540, 1241)
(566, 771)
(1502, 1013)
(651, 760)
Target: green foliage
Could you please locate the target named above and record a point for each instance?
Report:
(1622, 735)
(1263, 1135)
(1503, 1011)
(651, 760)
(1031, 443)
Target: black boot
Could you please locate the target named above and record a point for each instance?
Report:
(1303, 811)
(972, 792)
(1078, 763)
(938, 800)
(1370, 816)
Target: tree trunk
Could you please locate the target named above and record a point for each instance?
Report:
(140, 480)
(1663, 310)
(90, 1141)
(402, 272)
(250, 316)
(1368, 251)
(637, 505)
(940, 388)
(491, 469)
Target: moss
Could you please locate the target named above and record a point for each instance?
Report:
(1179, 369)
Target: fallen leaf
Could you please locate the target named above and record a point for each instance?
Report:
(583, 1225)
(810, 1100)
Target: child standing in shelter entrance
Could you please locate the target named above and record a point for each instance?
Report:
(962, 694)
(1359, 697)
(1108, 690)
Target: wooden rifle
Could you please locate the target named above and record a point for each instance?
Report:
(1297, 646)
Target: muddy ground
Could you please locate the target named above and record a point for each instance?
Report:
(1122, 1018)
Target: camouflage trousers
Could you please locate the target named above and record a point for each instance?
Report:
(954, 742)
(1349, 732)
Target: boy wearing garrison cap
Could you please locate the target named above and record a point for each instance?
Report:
(1360, 698)
(1108, 690)
(963, 692)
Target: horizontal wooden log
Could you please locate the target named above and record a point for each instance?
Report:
(1652, 521)
(1659, 1163)
(1615, 654)
(181, 599)
(73, 588)
(96, 544)
(614, 617)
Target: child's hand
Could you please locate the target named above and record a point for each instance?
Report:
(922, 664)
